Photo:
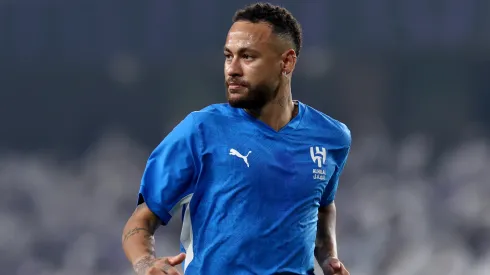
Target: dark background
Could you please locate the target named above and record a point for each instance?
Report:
(89, 88)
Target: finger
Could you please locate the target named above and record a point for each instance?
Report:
(167, 269)
(175, 260)
(343, 270)
(335, 263)
(162, 269)
(328, 270)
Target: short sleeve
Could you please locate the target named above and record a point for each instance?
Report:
(331, 188)
(171, 171)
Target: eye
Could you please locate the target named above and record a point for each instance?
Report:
(228, 57)
(247, 57)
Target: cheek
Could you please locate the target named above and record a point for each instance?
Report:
(260, 73)
(225, 67)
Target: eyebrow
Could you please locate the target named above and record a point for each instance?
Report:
(241, 50)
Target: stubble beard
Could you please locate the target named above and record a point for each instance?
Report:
(255, 98)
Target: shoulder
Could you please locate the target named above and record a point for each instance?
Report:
(327, 125)
(214, 109)
(208, 119)
(213, 113)
(192, 127)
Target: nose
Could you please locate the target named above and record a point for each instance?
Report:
(233, 67)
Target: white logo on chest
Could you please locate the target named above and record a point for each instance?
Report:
(234, 152)
(319, 157)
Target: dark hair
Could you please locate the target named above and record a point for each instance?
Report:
(282, 21)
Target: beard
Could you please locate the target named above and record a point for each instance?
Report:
(252, 97)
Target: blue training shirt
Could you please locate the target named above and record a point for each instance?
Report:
(250, 193)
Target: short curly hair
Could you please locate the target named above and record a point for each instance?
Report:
(282, 21)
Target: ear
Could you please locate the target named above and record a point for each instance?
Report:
(288, 61)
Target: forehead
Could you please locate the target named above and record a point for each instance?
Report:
(246, 34)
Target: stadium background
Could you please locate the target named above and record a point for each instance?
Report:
(88, 88)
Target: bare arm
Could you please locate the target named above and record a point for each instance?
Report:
(326, 241)
(138, 238)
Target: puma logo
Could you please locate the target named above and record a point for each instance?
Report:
(234, 152)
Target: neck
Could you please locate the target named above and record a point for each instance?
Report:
(278, 112)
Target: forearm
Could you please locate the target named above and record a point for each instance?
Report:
(326, 240)
(138, 241)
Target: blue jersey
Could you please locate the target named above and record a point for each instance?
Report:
(250, 194)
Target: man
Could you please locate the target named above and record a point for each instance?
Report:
(256, 177)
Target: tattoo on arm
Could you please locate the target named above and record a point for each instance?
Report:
(134, 231)
(142, 265)
(152, 219)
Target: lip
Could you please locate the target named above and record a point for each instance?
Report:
(235, 86)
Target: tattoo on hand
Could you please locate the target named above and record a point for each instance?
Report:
(142, 265)
(166, 268)
(135, 231)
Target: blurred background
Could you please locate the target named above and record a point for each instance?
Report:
(89, 88)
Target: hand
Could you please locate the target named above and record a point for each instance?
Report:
(158, 266)
(332, 266)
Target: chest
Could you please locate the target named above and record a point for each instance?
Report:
(275, 168)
